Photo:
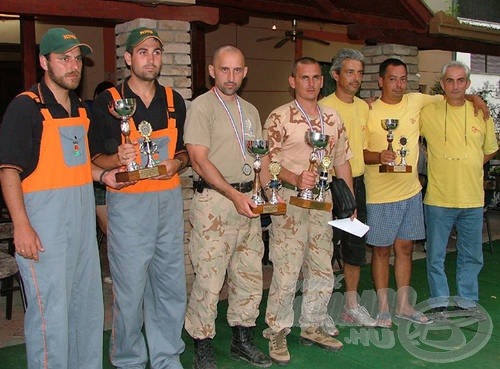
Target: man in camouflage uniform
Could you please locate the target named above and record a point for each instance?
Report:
(302, 238)
(226, 234)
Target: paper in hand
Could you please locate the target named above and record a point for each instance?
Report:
(354, 227)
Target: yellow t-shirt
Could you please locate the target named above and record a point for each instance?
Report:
(456, 144)
(391, 187)
(354, 116)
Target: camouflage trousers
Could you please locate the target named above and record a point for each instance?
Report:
(300, 240)
(223, 241)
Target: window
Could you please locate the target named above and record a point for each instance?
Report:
(487, 64)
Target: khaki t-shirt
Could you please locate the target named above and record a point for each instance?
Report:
(208, 124)
(286, 127)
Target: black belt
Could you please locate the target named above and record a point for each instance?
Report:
(242, 187)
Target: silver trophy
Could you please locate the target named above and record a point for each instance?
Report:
(125, 108)
(305, 198)
(257, 148)
(389, 125)
(318, 141)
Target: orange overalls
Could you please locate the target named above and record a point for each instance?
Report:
(146, 257)
(64, 318)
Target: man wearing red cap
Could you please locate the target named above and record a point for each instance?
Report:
(146, 224)
(46, 176)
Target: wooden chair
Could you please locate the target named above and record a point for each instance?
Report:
(9, 271)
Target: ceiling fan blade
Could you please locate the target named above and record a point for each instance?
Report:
(315, 40)
(266, 38)
(281, 43)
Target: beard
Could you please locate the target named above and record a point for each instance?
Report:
(228, 89)
(146, 74)
(68, 81)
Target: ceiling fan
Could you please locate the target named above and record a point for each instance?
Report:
(292, 35)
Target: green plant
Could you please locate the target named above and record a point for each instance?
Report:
(436, 89)
(488, 92)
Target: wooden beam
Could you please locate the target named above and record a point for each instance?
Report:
(109, 38)
(336, 14)
(444, 25)
(326, 11)
(198, 55)
(422, 41)
(109, 10)
(330, 36)
(418, 14)
(28, 51)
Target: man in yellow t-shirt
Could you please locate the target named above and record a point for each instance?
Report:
(347, 71)
(458, 145)
(394, 200)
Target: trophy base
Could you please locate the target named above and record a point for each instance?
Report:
(311, 204)
(267, 208)
(384, 168)
(139, 174)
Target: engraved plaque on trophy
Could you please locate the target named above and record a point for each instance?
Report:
(305, 198)
(125, 108)
(258, 148)
(390, 125)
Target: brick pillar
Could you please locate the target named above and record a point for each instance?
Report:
(374, 55)
(176, 73)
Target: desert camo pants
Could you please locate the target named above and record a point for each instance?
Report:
(301, 239)
(223, 241)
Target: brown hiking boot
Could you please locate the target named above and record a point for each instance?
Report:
(278, 348)
(317, 336)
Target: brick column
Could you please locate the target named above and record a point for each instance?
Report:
(374, 55)
(176, 73)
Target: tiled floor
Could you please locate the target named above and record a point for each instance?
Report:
(11, 331)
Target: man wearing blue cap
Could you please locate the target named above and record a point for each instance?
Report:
(46, 177)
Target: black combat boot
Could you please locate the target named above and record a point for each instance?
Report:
(243, 348)
(204, 356)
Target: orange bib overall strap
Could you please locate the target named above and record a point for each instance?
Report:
(64, 159)
(166, 139)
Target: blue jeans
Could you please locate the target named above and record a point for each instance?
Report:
(469, 225)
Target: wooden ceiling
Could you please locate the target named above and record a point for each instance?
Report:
(388, 21)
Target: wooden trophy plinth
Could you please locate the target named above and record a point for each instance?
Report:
(385, 168)
(311, 204)
(273, 209)
(139, 174)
